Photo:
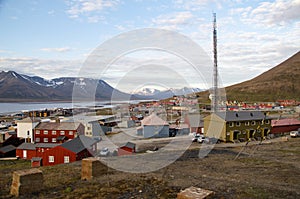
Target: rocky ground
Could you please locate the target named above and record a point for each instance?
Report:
(268, 170)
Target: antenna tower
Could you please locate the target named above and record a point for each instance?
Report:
(215, 72)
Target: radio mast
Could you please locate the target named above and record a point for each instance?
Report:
(215, 72)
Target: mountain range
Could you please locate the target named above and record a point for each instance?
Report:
(163, 94)
(280, 82)
(18, 87)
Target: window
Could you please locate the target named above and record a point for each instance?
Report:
(66, 159)
(45, 132)
(53, 139)
(53, 132)
(253, 123)
(62, 133)
(45, 139)
(238, 124)
(247, 123)
(37, 131)
(71, 133)
(231, 124)
(51, 158)
(37, 139)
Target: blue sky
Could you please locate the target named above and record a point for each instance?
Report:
(54, 38)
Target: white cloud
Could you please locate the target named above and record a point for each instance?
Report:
(41, 67)
(77, 8)
(173, 20)
(277, 13)
(60, 50)
(191, 4)
(95, 19)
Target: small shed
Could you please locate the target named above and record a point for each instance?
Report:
(36, 162)
(8, 151)
(127, 149)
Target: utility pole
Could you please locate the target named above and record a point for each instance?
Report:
(215, 72)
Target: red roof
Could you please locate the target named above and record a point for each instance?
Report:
(285, 122)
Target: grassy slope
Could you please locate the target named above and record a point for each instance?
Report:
(280, 82)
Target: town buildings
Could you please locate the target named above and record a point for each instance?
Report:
(25, 128)
(57, 132)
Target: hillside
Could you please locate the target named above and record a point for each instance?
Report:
(280, 82)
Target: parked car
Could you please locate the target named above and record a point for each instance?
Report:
(104, 151)
(195, 137)
(202, 139)
(294, 134)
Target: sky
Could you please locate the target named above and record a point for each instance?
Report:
(56, 38)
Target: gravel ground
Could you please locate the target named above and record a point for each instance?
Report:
(267, 170)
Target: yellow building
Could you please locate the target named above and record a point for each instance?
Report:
(242, 125)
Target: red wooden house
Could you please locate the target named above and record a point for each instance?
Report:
(57, 132)
(70, 151)
(285, 125)
(26, 151)
(127, 149)
(41, 148)
(29, 150)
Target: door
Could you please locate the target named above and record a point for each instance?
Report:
(25, 154)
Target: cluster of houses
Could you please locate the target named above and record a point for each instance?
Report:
(46, 142)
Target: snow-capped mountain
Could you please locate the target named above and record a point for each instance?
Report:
(163, 94)
(17, 87)
(148, 91)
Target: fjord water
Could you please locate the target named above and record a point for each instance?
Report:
(10, 107)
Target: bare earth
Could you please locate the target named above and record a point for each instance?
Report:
(268, 170)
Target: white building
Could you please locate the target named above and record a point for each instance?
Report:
(25, 128)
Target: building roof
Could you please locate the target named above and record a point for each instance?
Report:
(7, 148)
(35, 159)
(29, 120)
(79, 144)
(58, 126)
(27, 146)
(129, 145)
(61, 138)
(233, 116)
(154, 120)
(46, 145)
(285, 122)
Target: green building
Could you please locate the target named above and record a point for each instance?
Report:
(242, 125)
